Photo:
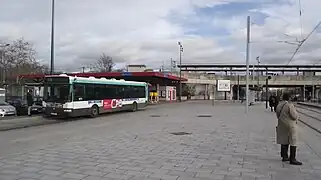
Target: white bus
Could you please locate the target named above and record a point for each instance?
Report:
(69, 96)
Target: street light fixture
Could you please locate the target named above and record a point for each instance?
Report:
(180, 70)
(5, 45)
(52, 48)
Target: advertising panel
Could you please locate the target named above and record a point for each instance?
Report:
(112, 103)
(223, 85)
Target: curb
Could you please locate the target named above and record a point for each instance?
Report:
(25, 126)
(18, 118)
(21, 123)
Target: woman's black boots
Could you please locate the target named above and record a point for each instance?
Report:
(293, 160)
(284, 152)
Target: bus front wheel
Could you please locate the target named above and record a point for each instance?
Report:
(134, 108)
(94, 112)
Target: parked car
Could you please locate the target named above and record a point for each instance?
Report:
(22, 106)
(7, 110)
(37, 105)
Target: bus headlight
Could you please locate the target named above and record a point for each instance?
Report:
(67, 110)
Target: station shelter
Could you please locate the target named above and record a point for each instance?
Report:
(163, 86)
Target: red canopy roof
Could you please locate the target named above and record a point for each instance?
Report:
(114, 74)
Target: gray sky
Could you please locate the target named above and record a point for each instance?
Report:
(147, 31)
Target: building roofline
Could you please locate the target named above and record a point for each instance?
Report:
(113, 74)
(244, 66)
(136, 65)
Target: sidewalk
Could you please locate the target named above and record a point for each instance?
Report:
(192, 141)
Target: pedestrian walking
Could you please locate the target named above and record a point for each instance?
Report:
(286, 130)
(276, 102)
(272, 100)
(29, 101)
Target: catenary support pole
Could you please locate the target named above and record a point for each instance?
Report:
(238, 87)
(247, 62)
(258, 77)
(266, 92)
(180, 71)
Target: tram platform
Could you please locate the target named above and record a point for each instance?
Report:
(180, 141)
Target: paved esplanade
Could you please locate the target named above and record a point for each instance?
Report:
(140, 146)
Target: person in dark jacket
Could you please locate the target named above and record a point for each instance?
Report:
(272, 102)
(276, 103)
(29, 101)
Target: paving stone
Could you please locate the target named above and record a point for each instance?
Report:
(163, 177)
(94, 173)
(73, 176)
(94, 178)
(51, 172)
(8, 177)
(229, 145)
(48, 177)
(30, 175)
(31, 169)
(118, 176)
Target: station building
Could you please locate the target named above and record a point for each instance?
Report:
(163, 86)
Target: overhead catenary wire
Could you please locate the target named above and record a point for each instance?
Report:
(317, 62)
(302, 42)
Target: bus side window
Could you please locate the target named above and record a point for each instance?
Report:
(79, 92)
(141, 92)
(90, 92)
(110, 92)
(135, 93)
(98, 91)
(119, 92)
(127, 91)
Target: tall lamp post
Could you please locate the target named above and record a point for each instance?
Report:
(52, 48)
(2, 59)
(180, 70)
(258, 76)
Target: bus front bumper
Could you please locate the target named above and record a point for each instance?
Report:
(58, 112)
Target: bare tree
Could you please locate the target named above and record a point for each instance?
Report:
(104, 64)
(20, 58)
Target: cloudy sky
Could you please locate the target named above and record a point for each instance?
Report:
(147, 31)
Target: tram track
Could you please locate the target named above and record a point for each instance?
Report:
(313, 120)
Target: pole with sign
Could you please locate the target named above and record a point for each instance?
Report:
(223, 86)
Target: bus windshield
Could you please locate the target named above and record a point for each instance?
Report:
(59, 93)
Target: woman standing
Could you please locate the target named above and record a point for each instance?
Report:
(287, 129)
